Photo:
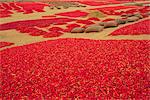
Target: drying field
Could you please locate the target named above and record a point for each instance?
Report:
(67, 50)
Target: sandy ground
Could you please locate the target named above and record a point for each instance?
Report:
(23, 39)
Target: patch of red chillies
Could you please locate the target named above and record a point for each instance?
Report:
(73, 25)
(15, 7)
(25, 7)
(5, 13)
(76, 13)
(86, 22)
(76, 68)
(70, 27)
(4, 44)
(29, 7)
(113, 10)
(55, 29)
(32, 23)
(1, 7)
(94, 19)
(101, 3)
(93, 3)
(6, 6)
(60, 23)
(31, 26)
(53, 34)
(141, 10)
(134, 29)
